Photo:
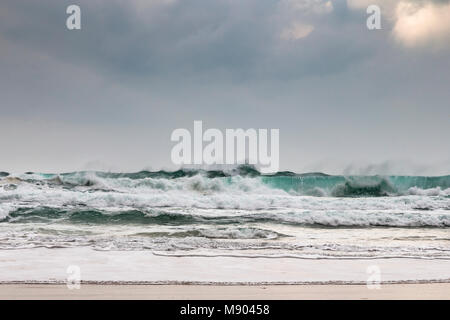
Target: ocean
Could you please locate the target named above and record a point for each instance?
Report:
(234, 213)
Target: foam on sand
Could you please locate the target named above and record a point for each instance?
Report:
(50, 266)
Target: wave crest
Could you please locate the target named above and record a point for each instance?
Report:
(243, 179)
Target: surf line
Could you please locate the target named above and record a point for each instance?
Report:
(189, 149)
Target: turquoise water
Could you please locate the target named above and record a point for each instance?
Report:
(311, 214)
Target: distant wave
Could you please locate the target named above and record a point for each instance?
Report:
(312, 184)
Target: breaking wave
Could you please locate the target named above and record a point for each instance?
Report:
(170, 217)
(228, 212)
(238, 196)
(243, 178)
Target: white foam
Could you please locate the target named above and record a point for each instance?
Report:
(50, 265)
(429, 192)
(222, 199)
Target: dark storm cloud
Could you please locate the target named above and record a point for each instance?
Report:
(158, 38)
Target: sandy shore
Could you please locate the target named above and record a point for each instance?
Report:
(42, 274)
(187, 292)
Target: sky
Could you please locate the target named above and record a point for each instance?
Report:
(346, 99)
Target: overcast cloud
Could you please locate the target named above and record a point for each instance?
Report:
(108, 96)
